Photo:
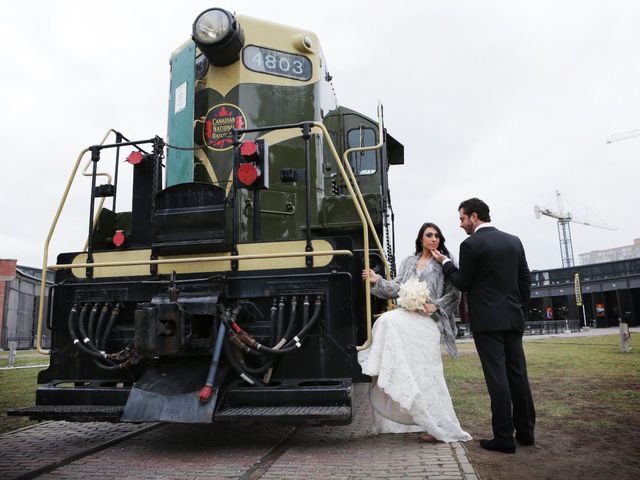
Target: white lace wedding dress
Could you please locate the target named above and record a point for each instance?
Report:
(409, 393)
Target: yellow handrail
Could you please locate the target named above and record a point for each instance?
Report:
(347, 176)
(345, 159)
(45, 258)
(226, 258)
(358, 202)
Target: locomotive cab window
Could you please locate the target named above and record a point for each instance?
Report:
(362, 163)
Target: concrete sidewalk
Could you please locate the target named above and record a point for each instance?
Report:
(591, 332)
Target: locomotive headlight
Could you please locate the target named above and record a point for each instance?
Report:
(219, 36)
(211, 26)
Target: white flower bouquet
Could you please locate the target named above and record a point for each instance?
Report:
(413, 295)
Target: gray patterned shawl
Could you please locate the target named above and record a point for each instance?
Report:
(444, 295)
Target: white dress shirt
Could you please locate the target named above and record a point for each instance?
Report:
(482, 225)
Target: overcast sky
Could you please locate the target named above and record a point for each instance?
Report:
(505, 100)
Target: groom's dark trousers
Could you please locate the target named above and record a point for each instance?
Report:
(494, 273)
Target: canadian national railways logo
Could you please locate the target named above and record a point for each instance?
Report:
(218, 124)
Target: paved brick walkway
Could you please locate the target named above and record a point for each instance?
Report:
(175, 451)
(30, 448)
(354, 452)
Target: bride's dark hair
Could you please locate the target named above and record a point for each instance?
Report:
(441, 248)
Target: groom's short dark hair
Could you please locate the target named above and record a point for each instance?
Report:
(478, 206)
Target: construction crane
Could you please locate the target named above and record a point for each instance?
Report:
(564, 228)
(623, 136)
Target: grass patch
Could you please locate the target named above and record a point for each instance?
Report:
(554, 409)
(578, 381)
(24, 357)
(584, 383)
(593, 426)
(622, 395)
(18, 389)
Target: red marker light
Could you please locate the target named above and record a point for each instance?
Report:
(134, 158)
(205, 394)
(248, 148)
(247, 173)
(119, 238)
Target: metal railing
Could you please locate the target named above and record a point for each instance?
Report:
(26, 342)
(547, 327)
(347, 176)
(542, 327)
(22, 343)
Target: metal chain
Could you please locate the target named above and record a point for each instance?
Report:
(157, 163)
(390, 253)
(390, 258)
(175, 147)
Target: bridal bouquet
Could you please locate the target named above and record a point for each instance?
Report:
(413, 295)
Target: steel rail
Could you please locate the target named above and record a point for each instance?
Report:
(61, 462)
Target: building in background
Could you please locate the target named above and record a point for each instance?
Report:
(611, 254)
(609, 292)
(19, 304)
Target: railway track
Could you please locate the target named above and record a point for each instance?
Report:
(30, 451)
(59, 450)
(54, 446)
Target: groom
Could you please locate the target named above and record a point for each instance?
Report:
(494, 273)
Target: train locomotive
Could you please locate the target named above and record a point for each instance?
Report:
(231, 288)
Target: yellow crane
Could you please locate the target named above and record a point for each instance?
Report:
(564, 228)
(616, 137)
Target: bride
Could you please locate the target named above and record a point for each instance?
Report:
(409, 393)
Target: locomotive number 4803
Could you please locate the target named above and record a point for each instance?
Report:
(274, 62)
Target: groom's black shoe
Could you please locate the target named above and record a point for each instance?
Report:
(526, 439)
(497, 447)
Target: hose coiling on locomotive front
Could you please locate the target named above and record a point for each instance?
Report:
(238, 342)
(92, 341)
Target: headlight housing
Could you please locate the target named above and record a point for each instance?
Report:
(219, 36)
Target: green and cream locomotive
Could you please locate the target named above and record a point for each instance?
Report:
(234, 292)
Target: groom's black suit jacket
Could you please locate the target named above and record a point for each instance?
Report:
(494, 273)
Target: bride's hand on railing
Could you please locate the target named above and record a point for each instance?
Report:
(370, 274)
